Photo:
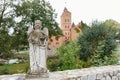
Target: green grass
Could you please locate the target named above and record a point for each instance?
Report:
(24, 52)
(118, 51)
(14, 68)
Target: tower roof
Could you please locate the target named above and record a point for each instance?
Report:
(73, 25)
(65, 9)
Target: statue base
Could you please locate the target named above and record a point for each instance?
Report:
(30, 75)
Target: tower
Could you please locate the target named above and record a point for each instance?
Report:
(66, 24)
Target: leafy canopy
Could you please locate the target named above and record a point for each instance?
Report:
(98, 38)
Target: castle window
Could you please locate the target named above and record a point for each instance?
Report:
(68, 37)
(65, 26)
(65, 37)
(68, 33)
(65, 33)
(57, 43)
(49, 43)
(68, 20)
(65, 20)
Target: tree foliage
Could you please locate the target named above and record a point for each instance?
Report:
(98, 38)
(84, 26)
(38, 9)
(18, 15)
(115, 25)
(68, 57)
(6, 23)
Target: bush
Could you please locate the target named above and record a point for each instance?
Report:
(53, 64)
(68, 57)
(99, 37)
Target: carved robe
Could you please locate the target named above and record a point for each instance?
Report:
(38, 40)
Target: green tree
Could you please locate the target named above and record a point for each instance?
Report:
(6, 23)
(115, 25)
(19, 15)
(84, 26)
(31, 10)
(98, 38)
(28, 11)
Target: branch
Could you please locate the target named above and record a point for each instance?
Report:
(2, 12)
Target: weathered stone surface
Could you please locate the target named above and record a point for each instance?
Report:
(78, 78)
(99, 76)
(115, 73)
(114, 78)
(38, 43)
(94, 73)
(108, 78)
(103, 79)
(91, 77)
(111, 73)
(84, 78)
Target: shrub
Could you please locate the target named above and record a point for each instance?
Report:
(68, 57)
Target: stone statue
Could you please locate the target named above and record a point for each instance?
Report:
(38, 42)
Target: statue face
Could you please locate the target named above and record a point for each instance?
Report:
(37, 24)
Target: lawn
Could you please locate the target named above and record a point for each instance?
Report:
(14, 68)
(118, 51)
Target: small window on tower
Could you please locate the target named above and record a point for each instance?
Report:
(49, 43)
(57, 43)
(68, 37)
(68, 20)
(65, 33)
(65, 37)
(65, 20)
(68, 33)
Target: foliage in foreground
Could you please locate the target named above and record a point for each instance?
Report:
(68, 57)
(95, 47)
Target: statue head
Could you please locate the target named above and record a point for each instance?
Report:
(38, 24)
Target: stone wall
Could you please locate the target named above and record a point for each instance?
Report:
(94, 73)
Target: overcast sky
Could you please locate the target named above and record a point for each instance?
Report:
(88, 10)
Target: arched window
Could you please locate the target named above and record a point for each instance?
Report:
(68, 33)
(68, 20)
(65, 26)
(57, 43)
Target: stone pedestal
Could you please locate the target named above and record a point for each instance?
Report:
(37, 63)
(34, 76)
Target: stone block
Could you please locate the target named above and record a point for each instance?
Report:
(91, 77)
(99, 76)
(103, 79)
(108, 78)
(84, 78)
(78, 78)
(115, 73)
(111, 73)
(114, 78)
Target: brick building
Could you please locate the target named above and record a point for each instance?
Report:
(69, 29)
